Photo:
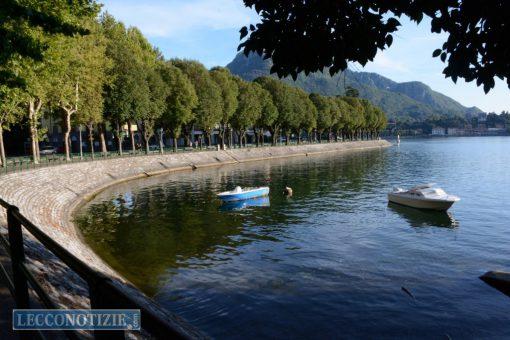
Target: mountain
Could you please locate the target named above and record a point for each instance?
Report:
(410, 100)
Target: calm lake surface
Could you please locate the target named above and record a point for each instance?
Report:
(332, 260)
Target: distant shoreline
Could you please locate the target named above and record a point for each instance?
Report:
(442, 136)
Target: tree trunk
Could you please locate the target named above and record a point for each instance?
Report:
(287, 139)
(132, 136)
(3, 161)
(102, 129)
(231, 139)
(161, 144)
(262, 137)
(298, 136)
(209, 140)
(66, 134)
(80, 141)
(175, 142)
(34, 106)
(222, 136)
(90, 127)
(146, 144)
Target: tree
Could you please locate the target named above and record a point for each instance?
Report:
(356, 117)
(143, 60)
(180, 102)
(268, 115)
(249, 109)
(78, 66)
(340, 116)
(19, 18)
(325, 118)
(351, 92)
(307, 36)
(382, 121)
(344, 118)
(10, 113)
(127, 96)
(36, 90)
(158, 93)
(282, 99)
(306, 114)
(229, 92)
(370, 118)
(208, 112)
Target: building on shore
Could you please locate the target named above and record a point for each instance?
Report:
(438, 131)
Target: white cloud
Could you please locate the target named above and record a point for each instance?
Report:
(172, 18)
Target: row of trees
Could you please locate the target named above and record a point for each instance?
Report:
(112, 77)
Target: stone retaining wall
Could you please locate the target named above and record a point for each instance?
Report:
(48, 196)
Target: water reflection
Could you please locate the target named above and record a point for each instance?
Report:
(424, 218)
(249, 203)
(332, 257)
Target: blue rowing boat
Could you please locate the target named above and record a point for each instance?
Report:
(239, 194)
(245, 204)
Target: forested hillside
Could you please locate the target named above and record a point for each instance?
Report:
(402, 101)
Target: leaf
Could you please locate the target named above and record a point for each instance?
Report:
(436, 53)
(244, 32)
(389, 40)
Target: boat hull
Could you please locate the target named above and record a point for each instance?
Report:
(244, 204)
(245, 195)
(429, 204)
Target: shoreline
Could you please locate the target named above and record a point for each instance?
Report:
(51, 203)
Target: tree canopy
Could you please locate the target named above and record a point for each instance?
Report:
(308, 35)
(18, 20)
(105, 76)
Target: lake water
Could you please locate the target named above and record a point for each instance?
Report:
(332, 260)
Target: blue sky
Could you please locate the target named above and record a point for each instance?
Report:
(208, 31)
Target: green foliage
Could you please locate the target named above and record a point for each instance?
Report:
(180, 102)
(282, 99)
(305, 112)
(158, 93)
(338, 32)
(10, 108)
(249, 108)
(18, 20)
(229, 91)
(401, 101)
(112, 76)
(326, 110)
(351, 92)
(269, 112)
(208, 112)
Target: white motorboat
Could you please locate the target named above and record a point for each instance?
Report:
(425, 196)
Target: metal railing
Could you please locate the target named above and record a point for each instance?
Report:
(104, 292)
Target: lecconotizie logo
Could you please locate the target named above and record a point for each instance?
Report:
(79, 319)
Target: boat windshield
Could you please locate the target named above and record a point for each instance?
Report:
(434, 192)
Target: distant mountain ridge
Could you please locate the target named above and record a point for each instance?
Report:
(409, 100)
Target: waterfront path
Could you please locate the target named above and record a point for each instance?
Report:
(48, 196)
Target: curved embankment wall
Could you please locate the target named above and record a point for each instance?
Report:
(48, 196)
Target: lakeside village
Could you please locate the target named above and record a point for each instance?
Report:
(480, 124)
